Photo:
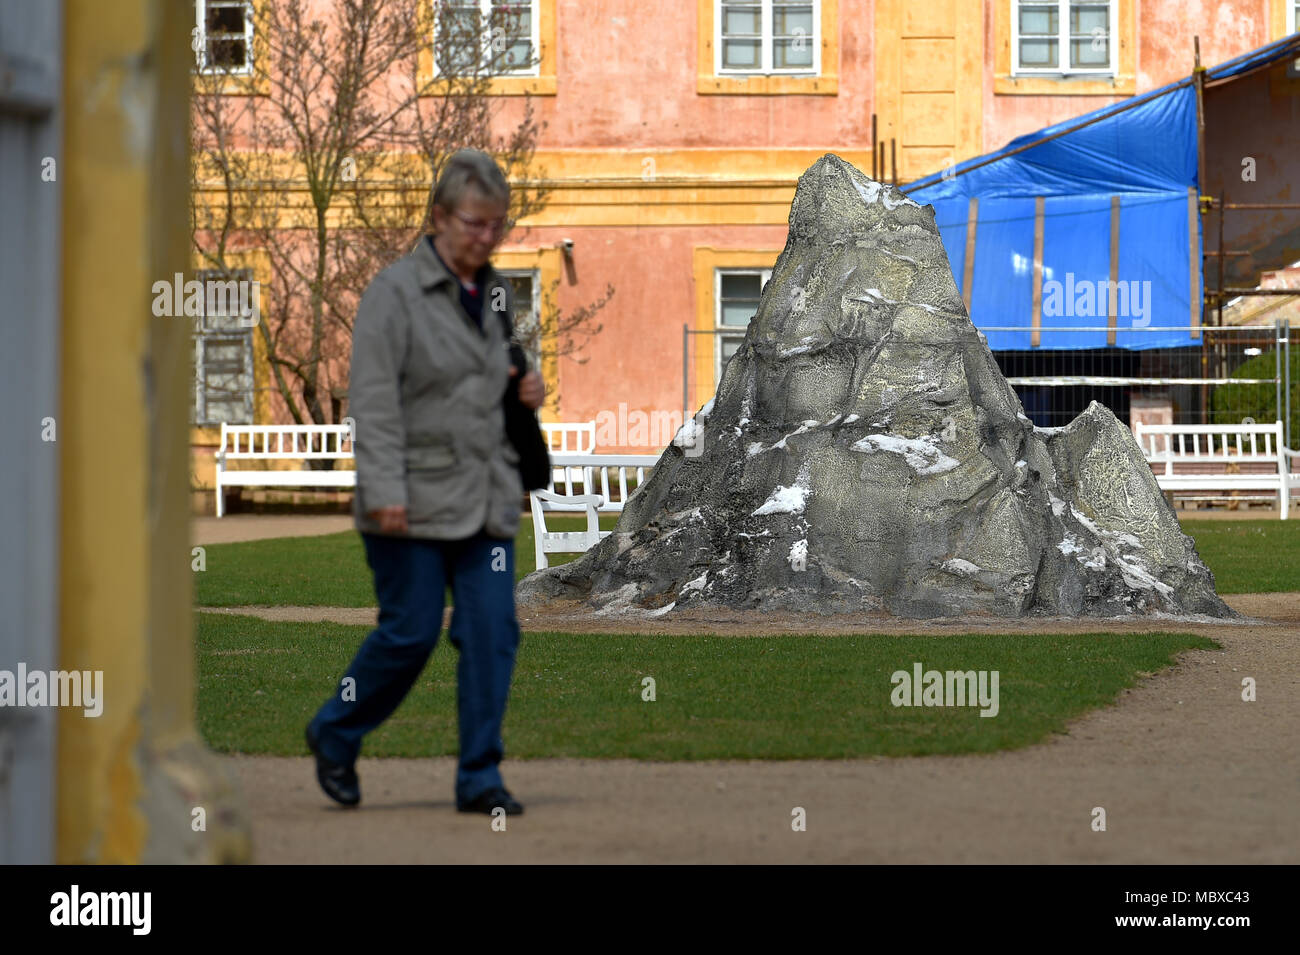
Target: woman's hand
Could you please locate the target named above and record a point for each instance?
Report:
(532, 390)
(392, 520)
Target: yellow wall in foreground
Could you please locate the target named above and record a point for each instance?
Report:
(129, 780)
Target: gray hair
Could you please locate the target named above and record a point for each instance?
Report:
(466, 169)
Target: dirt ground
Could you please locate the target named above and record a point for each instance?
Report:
(1185, 770)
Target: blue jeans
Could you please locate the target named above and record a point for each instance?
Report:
(411, 576)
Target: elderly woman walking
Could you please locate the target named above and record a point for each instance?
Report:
(438, 487)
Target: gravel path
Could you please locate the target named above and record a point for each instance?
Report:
(1186, 771)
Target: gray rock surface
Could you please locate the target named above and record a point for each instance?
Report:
(865, 454)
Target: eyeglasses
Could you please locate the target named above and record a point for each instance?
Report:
(491, 226)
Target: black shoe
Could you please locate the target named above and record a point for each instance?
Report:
(339, 782)
(492, 799)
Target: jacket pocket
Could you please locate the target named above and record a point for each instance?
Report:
(433, 457)
(432, 483)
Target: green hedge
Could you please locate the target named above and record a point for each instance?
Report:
(1230, 403)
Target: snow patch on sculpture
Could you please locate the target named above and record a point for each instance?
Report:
(923, 453)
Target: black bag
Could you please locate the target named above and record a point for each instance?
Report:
(521, 423)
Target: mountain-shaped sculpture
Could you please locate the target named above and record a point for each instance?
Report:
(865, 454)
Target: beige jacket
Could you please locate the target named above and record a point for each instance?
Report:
(426, 396)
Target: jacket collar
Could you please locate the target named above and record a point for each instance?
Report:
(431, 270)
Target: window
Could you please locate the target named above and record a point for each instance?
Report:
(736, 294)
(1063, 36)
(223, 36)
(525, 290)
(767, 36)
(498, 37)
(223, 361)
(1292, 16)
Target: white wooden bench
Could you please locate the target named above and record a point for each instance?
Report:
(1216, 462)
(563, 542)
(282, 442)
(592, 484)
(612, 476)
(570, 437)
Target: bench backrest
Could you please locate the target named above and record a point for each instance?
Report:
(1169, 444)
(613, 476)
(570, 437)
(285, 441)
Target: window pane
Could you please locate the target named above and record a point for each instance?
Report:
(1039, 20)
(224, 380)
(1085, 18)
(742, 285)
(459, 23)
(458, 40)
(743, 21)
(514, 19)
(1091, 53)
(790, 54)
(521, 287)
(518, 57)
(740, 54)
(740, 293)
(231, 412)
(225, 321)
(1038, 53)
(224, 19)
(226, 54)
(792, 20)
(738, 313)
(223, 357)
(730, 345)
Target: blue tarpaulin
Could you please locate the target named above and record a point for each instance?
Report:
(1058, 197)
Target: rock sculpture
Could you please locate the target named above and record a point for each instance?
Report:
(865, 454)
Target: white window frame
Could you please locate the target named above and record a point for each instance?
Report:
(1292, 6)
(485, 13)
(202, 335)
(730, 331)
(766, 43)
(200, 18)
(1063, 67)
(201, 417)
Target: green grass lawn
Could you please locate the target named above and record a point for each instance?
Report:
(328, 571)
(1246, 556)
(1250, 556)
(788, 697)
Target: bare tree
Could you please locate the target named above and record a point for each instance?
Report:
(328, 170)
